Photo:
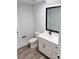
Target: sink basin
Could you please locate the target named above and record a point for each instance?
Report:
(54, 38)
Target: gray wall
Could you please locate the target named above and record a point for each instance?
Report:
(25, 22)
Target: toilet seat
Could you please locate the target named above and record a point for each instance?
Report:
(32, 40)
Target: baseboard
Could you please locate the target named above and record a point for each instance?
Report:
(23, 46)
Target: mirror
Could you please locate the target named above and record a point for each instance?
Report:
(53, 19)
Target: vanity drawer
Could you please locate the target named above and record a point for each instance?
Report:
(54, 58)
(45, 49)
(54, 53)
(55, 48)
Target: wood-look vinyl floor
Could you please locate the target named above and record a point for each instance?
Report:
(29, 53)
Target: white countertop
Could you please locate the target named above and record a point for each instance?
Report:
(54, 38)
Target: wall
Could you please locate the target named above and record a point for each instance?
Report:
(25, 22)
(39, 15)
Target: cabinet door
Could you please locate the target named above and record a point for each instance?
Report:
(41, 47)
(48, 50)
(54, 54)
(45, 49)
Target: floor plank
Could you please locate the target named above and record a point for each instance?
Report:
(29, 53)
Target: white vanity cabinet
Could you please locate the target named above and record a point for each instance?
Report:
(48, 48)
(44, 48)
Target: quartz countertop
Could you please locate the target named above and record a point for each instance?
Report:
(54, 37)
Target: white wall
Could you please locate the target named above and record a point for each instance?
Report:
(39, 15)
(25, 21)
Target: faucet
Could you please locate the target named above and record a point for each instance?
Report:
(50, 32)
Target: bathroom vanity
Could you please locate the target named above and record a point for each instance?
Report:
(48, 45)
(48, 42)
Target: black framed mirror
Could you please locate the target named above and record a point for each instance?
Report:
(53, 19)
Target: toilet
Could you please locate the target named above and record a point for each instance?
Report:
(33, 41)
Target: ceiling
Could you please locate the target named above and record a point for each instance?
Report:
(30, 1)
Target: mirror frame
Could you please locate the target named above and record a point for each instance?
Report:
(46, 18)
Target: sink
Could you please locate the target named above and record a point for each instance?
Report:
(54, 37)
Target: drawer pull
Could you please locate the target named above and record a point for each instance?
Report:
(43, 45)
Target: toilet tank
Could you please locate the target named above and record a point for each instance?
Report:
(36, 34)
